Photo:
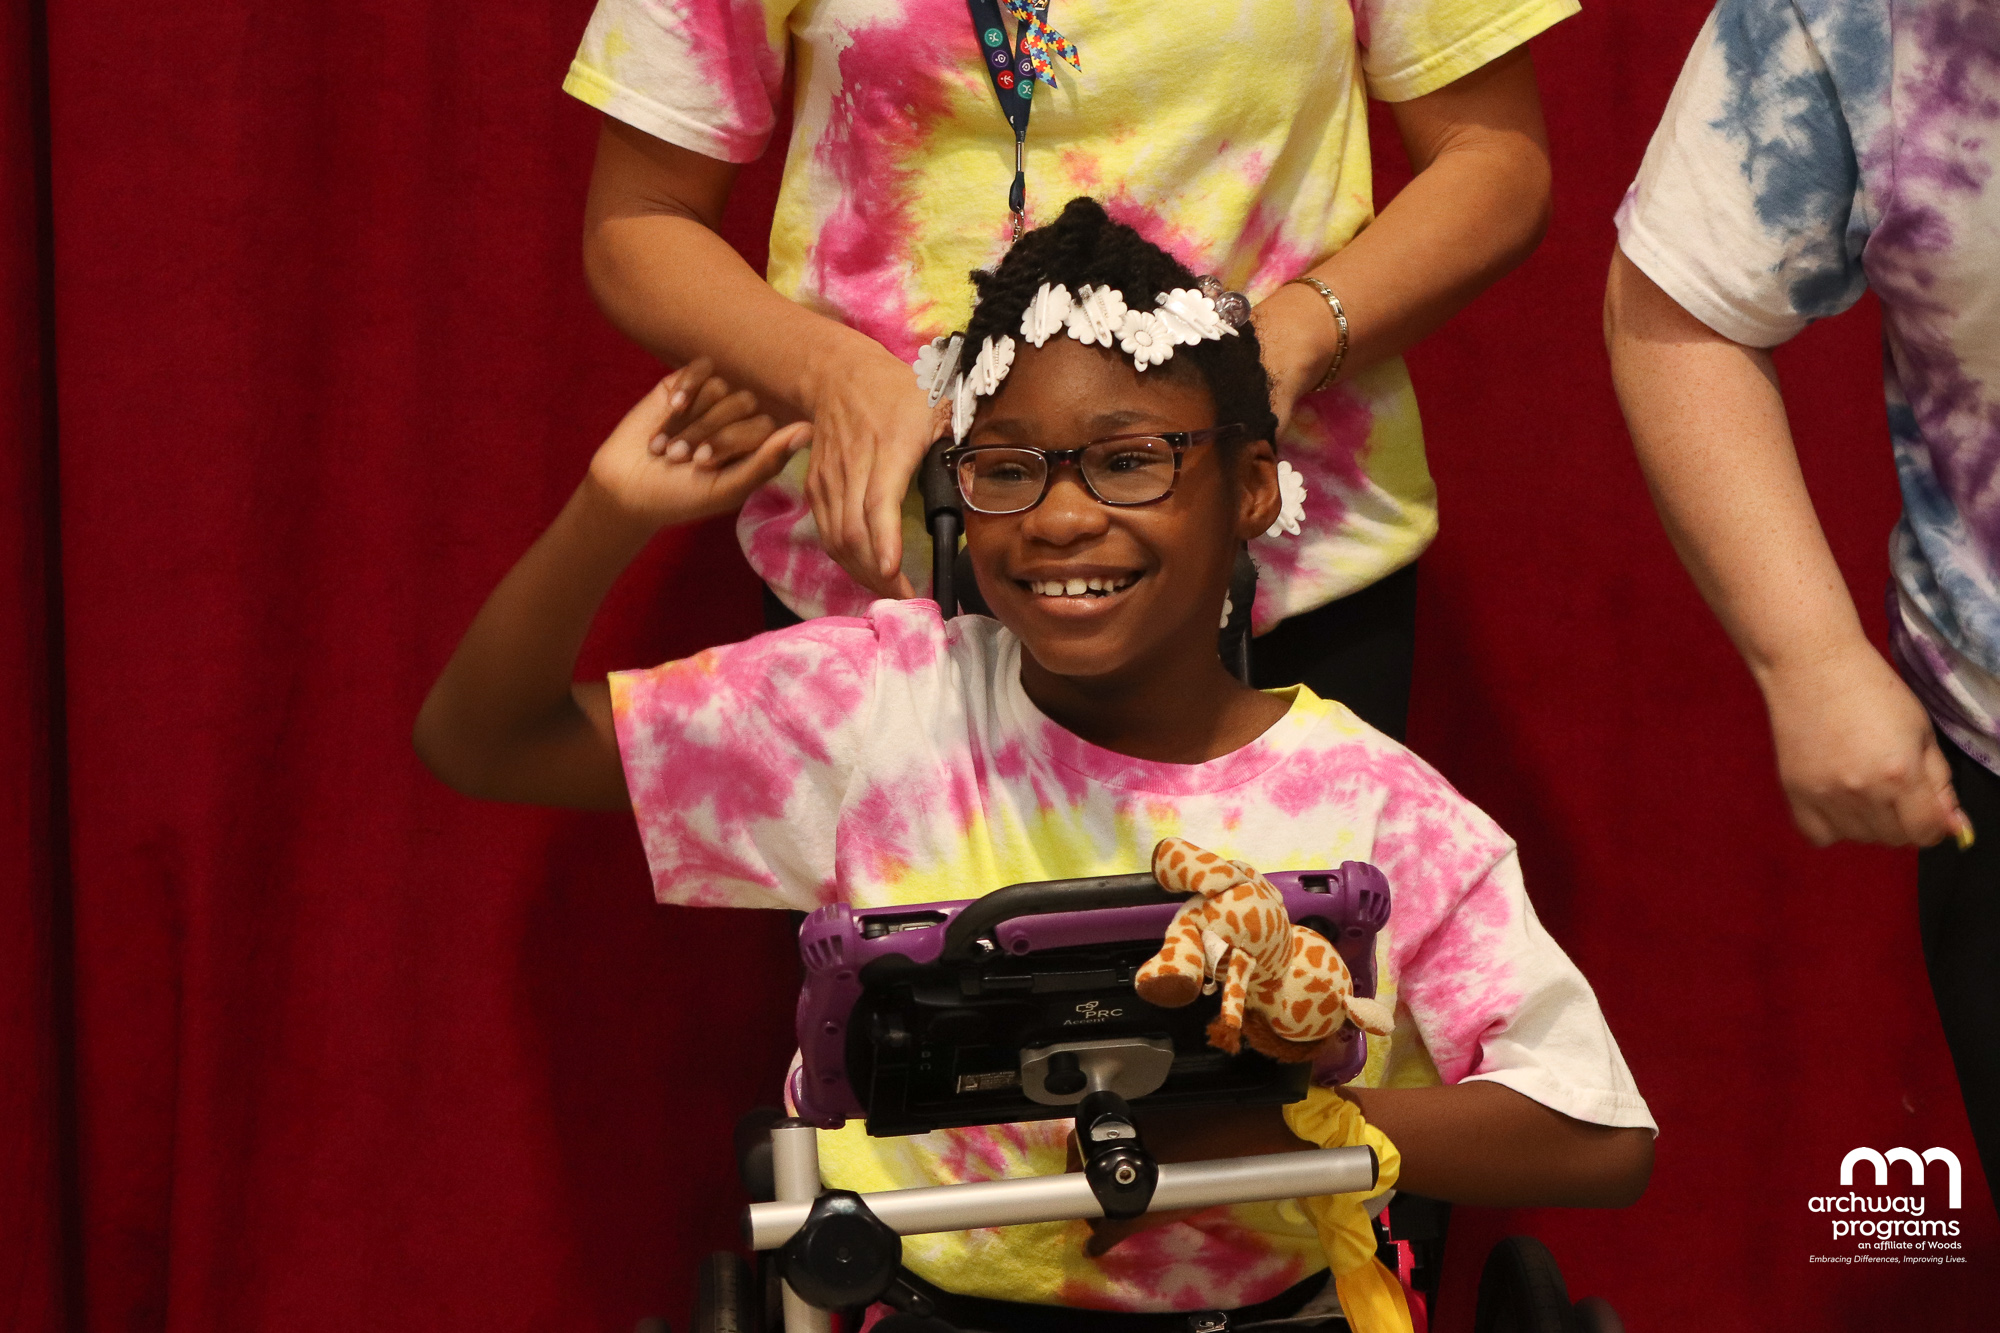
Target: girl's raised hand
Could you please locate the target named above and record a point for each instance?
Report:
(692, 448)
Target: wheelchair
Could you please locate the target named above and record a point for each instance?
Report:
(1019, 1006)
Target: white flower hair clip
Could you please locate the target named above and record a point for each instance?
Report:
(1095, 315)
(1291, 503)
(1144, 337)
(1100, 315)
(936, 363)
(995, 359)
(1045, 314)
(989, 369)
(964, 402)
(1190, 317)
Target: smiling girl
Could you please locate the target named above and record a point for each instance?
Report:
(897, 757)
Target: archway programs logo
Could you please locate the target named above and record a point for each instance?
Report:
(1879, 1225)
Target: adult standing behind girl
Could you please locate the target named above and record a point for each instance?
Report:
(1236, 137)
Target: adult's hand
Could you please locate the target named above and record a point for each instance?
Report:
(871, 426)
(1857, 755)
(1296, 335)
(665, 276)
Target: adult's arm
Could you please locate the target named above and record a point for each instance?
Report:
(1856, 753)
(661, 271)
(1476, 207)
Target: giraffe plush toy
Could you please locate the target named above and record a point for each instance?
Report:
(1284, 988)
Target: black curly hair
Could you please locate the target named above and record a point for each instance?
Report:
(1083, 245)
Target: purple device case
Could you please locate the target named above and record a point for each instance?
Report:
(834, 948)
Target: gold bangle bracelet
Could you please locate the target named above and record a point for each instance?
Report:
(1339, 317)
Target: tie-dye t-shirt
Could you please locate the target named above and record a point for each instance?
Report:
(1814, 149)
(1236, 137)
(895, 759)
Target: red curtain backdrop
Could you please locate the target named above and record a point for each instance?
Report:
(296, 357)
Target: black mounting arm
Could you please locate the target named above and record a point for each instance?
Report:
(1119, 1170)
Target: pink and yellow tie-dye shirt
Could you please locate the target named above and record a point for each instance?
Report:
(894, 758)
(1235, 136)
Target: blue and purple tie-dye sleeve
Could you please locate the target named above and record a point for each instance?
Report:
(1749, 209)
(738, 759)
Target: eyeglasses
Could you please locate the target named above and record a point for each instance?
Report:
(1119, 470)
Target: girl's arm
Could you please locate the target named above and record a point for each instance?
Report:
(506, 721)
(663, 274)
(1474, 1143)
(1477, 206)
(1482, 1143)
(1856, 754)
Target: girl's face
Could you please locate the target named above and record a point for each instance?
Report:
(1162, 568)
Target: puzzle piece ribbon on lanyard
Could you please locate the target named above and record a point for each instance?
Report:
(1036, 39)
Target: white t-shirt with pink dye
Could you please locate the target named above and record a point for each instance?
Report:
(894, 758)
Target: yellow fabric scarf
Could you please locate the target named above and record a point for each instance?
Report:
(1370, 1296)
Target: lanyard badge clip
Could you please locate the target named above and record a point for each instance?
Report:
(1014, 69)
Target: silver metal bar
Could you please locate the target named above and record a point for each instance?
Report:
(795, 1167)
(1006, 1203)
(795, 1162)
(803, 1318)
(1284, 1175)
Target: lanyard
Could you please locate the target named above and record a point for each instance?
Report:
(1013, 70)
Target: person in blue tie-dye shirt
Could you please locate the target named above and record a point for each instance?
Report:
(1814, 150)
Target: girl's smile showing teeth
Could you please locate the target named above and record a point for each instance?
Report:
(1094, 586)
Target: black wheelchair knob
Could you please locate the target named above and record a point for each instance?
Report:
(1063, 1075)
(1123, 1179)
(843, 1255)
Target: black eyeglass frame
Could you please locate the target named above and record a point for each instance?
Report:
(1180, 441)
